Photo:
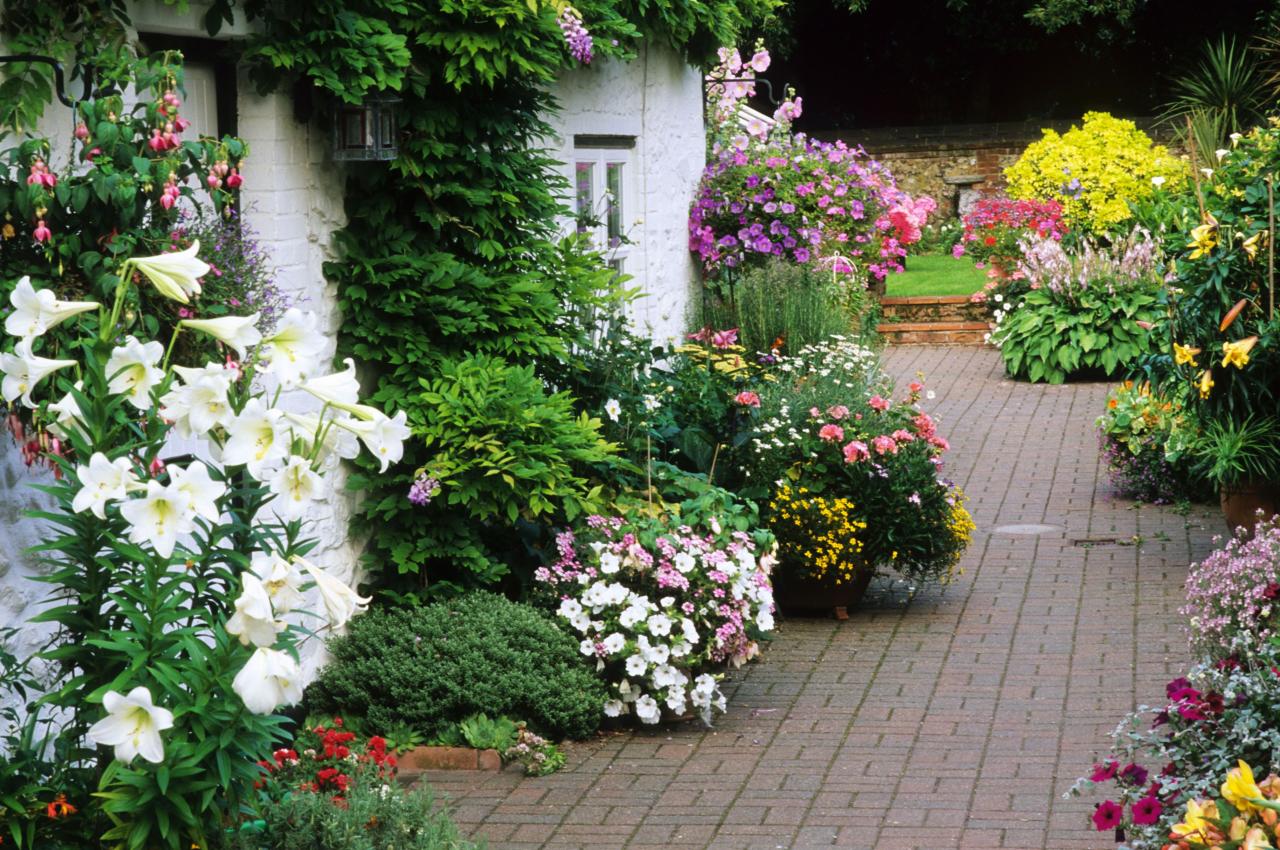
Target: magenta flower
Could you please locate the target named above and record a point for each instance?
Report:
(1105, 771)
(1146, 812)
(725, 339)
(1107, 815)
(1134, 774)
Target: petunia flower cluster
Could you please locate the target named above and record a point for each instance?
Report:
(660, 607)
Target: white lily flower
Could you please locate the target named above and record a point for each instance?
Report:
(338, 440)
(295, 485)
(1221, 152)
(384, 436)
(270, 679)
(36, 311)
(104, 480)
(338, 388)
(237, 332)
(341, 603)
(175, 275)
(256, 438)
(200, 404)
(133, 725)
(293, 352)
(23, 370)
(200, 488)
(132, 370)
(159, 517)
(254, 621)
(282, 580)
(69, 418)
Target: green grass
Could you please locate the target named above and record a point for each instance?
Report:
(937, 274)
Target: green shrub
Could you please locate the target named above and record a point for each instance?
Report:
(374, 817)
(435, 665)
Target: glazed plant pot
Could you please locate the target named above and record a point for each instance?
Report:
(799, 595)
(1242, 503)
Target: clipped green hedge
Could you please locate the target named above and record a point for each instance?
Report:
(433, 665)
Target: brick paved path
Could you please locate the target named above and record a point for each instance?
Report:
(956, 721)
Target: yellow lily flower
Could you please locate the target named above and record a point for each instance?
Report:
(1185, 354)
(1198, 818)
(1203, 239)
(1206, 383)
(1240, 788)
(1237, 353)
(1252, 244)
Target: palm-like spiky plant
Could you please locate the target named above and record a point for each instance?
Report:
(1226, 92)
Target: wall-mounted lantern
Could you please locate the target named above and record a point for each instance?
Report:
(366, 131)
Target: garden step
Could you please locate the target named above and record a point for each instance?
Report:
(932, 308)
(934, 333)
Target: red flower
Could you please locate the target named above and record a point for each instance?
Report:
(1105, 771)
(989, 241)
(1107, 815)
(1147, 811)
(60, 808)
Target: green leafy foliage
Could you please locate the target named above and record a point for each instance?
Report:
(1044, 339)
(434, 665)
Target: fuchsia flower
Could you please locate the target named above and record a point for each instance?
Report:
(41, 233)
(831, 433)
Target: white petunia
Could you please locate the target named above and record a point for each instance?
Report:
(659, 625)
(684, 562)
(609, 563)
(103, 481)
(256, 438)
(293, 351)
(689, 630)
(636, 665)
(36, 311)
(341, 603)
(200, 488)
(237, 332)
(614, 707)
(647, 710)
(133, 725)
(132, 371)
(159, 517)
(580, 621)
(23, 370)
(254, 621)
(570, 608)
(269, 679)
(176, 275)
(587, 647)
(295, 486)
(614, 643)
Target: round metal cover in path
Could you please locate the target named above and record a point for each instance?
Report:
(1025, 529)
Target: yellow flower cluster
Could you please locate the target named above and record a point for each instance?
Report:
(1252, 826)
(961, 525)
(817, 534)
(1094, 171)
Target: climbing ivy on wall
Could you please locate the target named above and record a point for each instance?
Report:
(455, 291)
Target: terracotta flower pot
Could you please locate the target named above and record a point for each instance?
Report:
(1241, 504)
(799, 595)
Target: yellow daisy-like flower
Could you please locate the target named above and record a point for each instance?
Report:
(1185, 354)
(1206, 383)
(1237, 353)
(1203, 239)
(1240, 787)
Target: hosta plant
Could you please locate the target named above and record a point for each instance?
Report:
(663, 600)
(177, 582)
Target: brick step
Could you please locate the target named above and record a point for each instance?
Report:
(934, 333)
(932, 308)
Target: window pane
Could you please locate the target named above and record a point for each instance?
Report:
(613, 180)
(584, 177)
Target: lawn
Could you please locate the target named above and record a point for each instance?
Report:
(937, 274)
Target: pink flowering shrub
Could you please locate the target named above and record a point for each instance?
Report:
(662, 602)
(1231, 595)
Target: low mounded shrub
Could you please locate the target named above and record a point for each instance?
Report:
(434, 665)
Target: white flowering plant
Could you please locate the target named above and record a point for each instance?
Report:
(178, 582)
(664, 600)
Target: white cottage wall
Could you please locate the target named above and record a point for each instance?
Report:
(657, 99)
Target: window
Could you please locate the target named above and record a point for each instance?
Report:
(604, 194)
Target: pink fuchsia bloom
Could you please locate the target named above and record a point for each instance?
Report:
(747, 399)
(234, 180)
(831, 433)
(82, 131)
(1108, 815)
(878, 403)
(856, 451)
(41, 233)
(725, 339)
(838, 412)
(884, 444)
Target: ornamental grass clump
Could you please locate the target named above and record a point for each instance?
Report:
(663, 602)
(1231, 595)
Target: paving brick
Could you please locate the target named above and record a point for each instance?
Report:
(953, 718)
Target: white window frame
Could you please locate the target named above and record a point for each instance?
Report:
(612, 241)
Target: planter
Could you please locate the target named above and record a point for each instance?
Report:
(1241, 504)
(799, 595)
(449, 758)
